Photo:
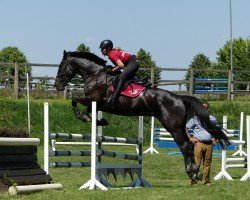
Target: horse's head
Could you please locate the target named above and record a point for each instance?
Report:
(84, 63)
(66, 72)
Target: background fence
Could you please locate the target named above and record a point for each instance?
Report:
(17, 84)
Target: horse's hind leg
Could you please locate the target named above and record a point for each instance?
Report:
(191, 168)
(186, 148)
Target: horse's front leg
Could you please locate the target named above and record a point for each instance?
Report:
(84, 115)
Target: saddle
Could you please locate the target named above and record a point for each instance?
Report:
(132, 88)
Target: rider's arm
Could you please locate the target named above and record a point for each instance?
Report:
(119, 65)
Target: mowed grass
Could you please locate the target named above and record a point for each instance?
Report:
(166, 173)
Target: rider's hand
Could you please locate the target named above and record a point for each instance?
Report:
(109, 66)
(214, 141)
(194, 140)
(109, 71)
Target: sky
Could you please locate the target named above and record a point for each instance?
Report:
(173, 31)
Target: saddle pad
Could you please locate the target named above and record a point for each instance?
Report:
(132, 90)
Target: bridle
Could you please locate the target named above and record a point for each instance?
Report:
(63, 74)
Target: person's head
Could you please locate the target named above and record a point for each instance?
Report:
(206, 105)
(106, 46)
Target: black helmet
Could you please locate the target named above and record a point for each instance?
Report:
(106, 44)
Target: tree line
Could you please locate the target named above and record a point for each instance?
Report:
(241, 61)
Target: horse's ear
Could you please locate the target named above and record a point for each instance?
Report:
(64, 55)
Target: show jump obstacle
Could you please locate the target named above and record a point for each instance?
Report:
(162, 138)
(19, 167)
(245, 161)
(99, 171)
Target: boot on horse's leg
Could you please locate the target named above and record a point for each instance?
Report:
(192, 169)
(194, 173)
(113, 100)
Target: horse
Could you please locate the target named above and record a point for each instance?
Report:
(172, 110)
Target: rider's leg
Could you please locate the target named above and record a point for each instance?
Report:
(129, 71)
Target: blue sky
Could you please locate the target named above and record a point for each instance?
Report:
(173, 31)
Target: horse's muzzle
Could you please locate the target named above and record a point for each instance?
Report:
(59, 87)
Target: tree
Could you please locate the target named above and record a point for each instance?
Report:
(83, 48)
(200, 61)
(11, 55)
(241, 59)
(145, 61)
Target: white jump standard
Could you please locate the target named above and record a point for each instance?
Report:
(99, 171)
(225, 160)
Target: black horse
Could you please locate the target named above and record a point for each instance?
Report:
(172, 110)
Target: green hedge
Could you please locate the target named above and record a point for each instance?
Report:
(14, 115)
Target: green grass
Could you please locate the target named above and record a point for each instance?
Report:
(13, 114)
(164, 171)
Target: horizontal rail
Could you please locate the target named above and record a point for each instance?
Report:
(162, 134)
(236, 159)
(164, 139)
(70, 136)
(89, 143)
(70, 153)
(118, 140)
(237, 142)
(70, 164)
(237, 166)
(118, 154)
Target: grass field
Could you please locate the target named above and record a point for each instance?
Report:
(164, 171)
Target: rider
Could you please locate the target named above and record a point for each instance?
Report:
(121, 60)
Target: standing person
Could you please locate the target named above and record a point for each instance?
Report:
(203, 144)
(121, 60)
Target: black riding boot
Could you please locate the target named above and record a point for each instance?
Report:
(113, 100)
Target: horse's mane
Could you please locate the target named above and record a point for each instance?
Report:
(89, 56)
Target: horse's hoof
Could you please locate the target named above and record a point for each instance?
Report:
(188, 168)
(102, 122)
(194, 177)
(194, 167)
(199, 176)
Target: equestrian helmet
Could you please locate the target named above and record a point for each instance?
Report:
(106, 44)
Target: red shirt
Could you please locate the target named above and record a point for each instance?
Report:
(115, 55)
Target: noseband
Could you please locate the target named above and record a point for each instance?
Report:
(63, 74)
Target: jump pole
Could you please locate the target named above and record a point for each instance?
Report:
(247, 175)
(25, 189)
(93, 183)
(151, 149)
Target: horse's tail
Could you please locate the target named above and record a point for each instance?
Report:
(194, 107)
